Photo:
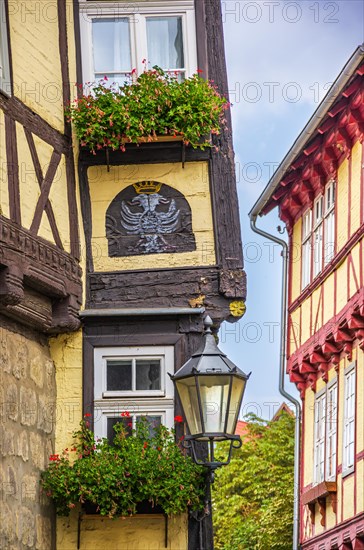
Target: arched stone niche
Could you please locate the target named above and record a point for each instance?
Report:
(149, 217)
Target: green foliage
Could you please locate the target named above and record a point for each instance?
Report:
(116, 477)
(154, 104)
(253, 496)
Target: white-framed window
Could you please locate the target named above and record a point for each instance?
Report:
(117, 38)
(306, 248)
(318, 235)
(329, 243)
(318, 211)
(320, 431)
(325, 434)
(5, 85)
(331, 431)
(130, 383)
(349, 419)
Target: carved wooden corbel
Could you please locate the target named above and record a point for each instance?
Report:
(322, 509)
(11, 285)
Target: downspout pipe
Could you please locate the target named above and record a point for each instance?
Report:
(282, 368)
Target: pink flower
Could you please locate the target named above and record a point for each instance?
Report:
(105, 78)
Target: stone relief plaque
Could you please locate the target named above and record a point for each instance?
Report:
(149, 217)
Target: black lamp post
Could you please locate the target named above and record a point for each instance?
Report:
(211, 389)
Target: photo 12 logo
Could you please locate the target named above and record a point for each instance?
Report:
(273, 12)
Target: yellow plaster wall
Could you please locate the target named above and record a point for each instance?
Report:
(28, 184)
(316, 310)
(348, 497)
(356, 169)
(308, 436)
(36, 59)
(306, 320)
(342, 204)
(59, 201)
(135, 533)
(330, 515)
(354, 270)
(342, 286)
(295, 330)
(192, 181)
(296, 260)
(329, 305)
(360, 487)
(66, 352)
(30, 190)
(4, 194)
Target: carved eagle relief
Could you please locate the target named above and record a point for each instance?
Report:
(149, 218)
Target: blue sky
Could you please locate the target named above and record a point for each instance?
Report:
(281, 58)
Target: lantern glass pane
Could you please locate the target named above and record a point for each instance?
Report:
(237, 391)
(214, 392)
(188, 395)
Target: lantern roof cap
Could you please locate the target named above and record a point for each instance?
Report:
(208, 359)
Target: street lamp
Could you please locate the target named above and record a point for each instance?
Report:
(211, 389)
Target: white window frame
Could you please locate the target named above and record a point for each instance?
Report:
(319, 437)
(137, 403)
(331, 431)
(348, 452)
(318, 225)
(5, 82)
(137, 12)
(325, 434)
(329, 222)
(318, 215)
(306, 248)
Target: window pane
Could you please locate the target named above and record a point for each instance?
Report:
(153, 423)
(111, 44)
(306, 263)
(165, 42)
(111, 422)
(329, 247)
(148, 374)
(119, 375)
(317, 252)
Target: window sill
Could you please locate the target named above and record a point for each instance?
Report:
(322, 490)
(347, 472)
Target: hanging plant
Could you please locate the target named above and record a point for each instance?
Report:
(153, 104)
(115, 478)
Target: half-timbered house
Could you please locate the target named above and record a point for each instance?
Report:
(40, 275)
(135, 302)
(319, 191)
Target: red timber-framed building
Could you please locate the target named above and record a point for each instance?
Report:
(319, 191)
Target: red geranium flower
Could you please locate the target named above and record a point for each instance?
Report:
(125, 414)
(87, 415)
(178, 419)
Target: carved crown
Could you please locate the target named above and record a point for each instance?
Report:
(147, 187)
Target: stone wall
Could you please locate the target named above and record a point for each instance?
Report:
(27, 397)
